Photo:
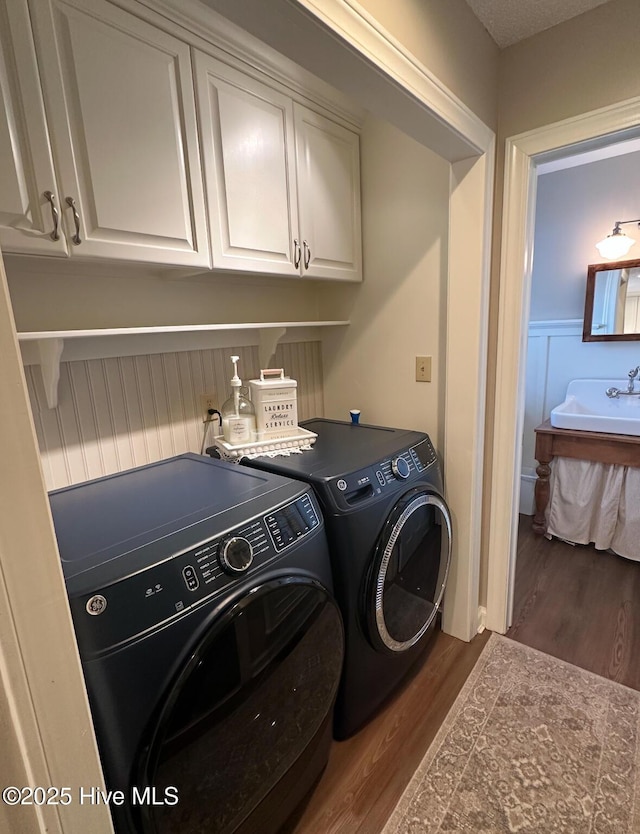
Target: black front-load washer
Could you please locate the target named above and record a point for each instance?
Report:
(210, 641)
(389, 532)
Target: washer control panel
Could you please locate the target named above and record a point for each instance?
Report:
(292, 522)
(219, 561)
(350, 490)
(172, 586)
(424, 455)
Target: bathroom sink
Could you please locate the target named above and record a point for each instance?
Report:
(586, 407)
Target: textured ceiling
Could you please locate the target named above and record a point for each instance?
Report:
(510, 21)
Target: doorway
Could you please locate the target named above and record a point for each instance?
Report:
(523, 154)
(577, 196)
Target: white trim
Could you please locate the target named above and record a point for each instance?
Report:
(537, 374)
(482, 619)
(466, 358)
(619, 149)
(39, 665)
(595, 127)
(519, 202)
(557, 327)
(528, 480)
(515, 287)
(45, 348)
(43, 335)
(373, 40)
(369, 64)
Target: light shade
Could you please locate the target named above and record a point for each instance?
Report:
(614, 246)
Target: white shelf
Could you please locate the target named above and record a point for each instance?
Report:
(43, 335)
(46, 347)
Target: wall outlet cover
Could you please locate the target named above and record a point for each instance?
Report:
(207, 401)
(423, 369)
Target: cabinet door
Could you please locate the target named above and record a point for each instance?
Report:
(27, 222)
(248, 151)
(328, 160)
(119, 100)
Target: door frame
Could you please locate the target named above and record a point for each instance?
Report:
(523, 152)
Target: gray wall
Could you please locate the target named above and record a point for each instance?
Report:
(575, 208)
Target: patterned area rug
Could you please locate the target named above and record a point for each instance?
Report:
(531, 745)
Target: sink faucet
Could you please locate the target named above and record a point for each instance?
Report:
(614, 393)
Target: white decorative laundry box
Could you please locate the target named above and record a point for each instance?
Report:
(275, 399)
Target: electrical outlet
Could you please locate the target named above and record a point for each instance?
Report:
(423, 369)
(207, 401)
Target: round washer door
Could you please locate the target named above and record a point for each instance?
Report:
(251, 695)
(409, 571)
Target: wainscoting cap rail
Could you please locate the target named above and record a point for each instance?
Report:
(45, 348)
(556, 327)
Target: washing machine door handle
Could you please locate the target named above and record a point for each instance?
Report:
(409, 571)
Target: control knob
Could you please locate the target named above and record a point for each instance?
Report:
(400, 468)
(236, 555)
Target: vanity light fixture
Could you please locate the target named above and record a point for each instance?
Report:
(616, 244)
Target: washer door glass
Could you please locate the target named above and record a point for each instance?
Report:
(251, 696)
(410, 569)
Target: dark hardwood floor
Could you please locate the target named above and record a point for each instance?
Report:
(368, 773)
(579, 604)
(575, 603)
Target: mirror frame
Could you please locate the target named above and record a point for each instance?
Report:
(592, 272)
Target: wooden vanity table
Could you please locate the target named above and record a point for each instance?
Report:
(623, 449)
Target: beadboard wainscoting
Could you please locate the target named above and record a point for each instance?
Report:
(121, 412)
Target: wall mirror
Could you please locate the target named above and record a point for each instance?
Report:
(612, 303)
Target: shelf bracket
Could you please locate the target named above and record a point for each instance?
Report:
(50, 351)
(269, 338)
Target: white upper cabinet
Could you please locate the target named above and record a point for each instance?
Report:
(100, 148)
(119, 99)
(283, 183)
(247, 147)
(29, 221)
(328, 165)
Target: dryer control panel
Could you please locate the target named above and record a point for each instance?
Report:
(367, 484)
(140, 603)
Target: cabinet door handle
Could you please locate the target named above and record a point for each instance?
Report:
(76, 219)
(296, 254)
(307, 254)
(55, 234)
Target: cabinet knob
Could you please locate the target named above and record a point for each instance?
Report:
(296, 254)
(55, 234)
(307, 254)
(76, 219)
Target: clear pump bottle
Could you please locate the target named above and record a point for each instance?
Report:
(238, 413)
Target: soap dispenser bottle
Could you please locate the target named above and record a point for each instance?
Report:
(238, 413)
